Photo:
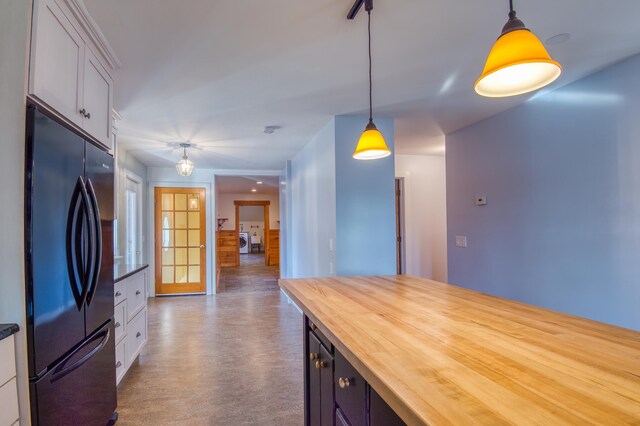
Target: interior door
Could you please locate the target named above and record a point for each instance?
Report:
(180, 240)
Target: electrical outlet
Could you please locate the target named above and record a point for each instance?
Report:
(481, 200)
(461, 241)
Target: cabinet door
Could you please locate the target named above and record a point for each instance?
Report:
(97, 92)
(313, 410)
(380, 414)
(351, 392)
(326, 387)
(57, 61)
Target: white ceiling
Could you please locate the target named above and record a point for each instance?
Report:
(244, 184)
(216, 72)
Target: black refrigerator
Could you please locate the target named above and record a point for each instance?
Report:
(69, 212)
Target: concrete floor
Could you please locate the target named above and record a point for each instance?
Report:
(230, 359)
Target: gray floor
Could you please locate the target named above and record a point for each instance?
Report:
(230, 359)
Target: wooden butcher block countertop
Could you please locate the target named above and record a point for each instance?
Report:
(440, 354)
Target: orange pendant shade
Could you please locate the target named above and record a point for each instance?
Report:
(371, 145)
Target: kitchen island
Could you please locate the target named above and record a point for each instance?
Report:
(433, 353)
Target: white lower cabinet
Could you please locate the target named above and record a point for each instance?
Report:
(8, 391)
(130, 313)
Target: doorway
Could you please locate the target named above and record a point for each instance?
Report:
(400, 245)
(180, 241)
(254, 237)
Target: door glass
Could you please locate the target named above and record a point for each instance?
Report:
(181, 221)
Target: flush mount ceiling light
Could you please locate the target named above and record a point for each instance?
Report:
(371, 145)
(184, 166)
(259, 182)
(517, 64)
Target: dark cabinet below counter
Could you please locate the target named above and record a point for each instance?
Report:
(335, 393)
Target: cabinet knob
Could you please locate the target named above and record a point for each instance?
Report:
(344, 383)
(118, 364)
(313, 327)
(83, 112)
(118, 294)
(313, 356)
(320, 364)
(117, 325)
(137, 292)
(88, 116)
(138, 334)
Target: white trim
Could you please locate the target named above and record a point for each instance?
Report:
(138, 181)
(93, 31)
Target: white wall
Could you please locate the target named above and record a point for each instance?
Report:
(226, 209)
(15, 16)
(313, 205)
(425, 205)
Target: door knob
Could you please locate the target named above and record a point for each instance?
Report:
(344, 383)
(202, 246)
(117, 325)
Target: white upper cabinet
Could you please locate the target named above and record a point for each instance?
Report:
(57, 61)
(98, 89)
(65, 75)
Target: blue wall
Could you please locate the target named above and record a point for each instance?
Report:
(342, 217)
(365, 203)
(562, 176)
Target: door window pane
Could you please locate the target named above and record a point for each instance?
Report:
(194, 256)
(181, 256)
(167, 201)
(194, 220)
(181, 274)
(167, 256)
(167, 274)
(181, 238)
(194, 238)
(167, 220)
(193, 202)
(181, 202)
(194, 274)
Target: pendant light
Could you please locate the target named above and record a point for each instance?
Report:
(517, 64)
(371, 145)
(185, 166)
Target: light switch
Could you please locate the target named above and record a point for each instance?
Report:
(481, 200)
(461, 241)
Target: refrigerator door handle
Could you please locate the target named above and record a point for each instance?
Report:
(88, 264)
(93, 281)
(73, 247)
(62, 369)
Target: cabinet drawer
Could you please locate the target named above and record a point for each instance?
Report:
(9, 403)
(120, 315)
(119, 292)
(121, 366)
(7, 360)
(136, 336)
(136, 294)
(351, 391)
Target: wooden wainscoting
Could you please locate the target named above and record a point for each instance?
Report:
(273, 252)
(228, 250)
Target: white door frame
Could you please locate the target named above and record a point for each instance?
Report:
(138, 181)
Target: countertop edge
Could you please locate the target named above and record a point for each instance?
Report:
(409, 416)
(129, 273)
(7, 330)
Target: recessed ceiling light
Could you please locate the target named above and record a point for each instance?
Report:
(259, 183)
(254, 190)
(271, 129)
(558, 39)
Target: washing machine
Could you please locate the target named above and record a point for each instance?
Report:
(244, 242)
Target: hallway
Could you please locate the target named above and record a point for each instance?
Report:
(230, 359)
(251, 275)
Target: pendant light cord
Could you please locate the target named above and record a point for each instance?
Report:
(370, 74)
(512, 13)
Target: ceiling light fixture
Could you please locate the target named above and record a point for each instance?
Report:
(371, 145)
(254, 190)
(185, 166)
(259, 183)
(518, 63)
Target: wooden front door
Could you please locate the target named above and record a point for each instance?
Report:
(180, 240)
